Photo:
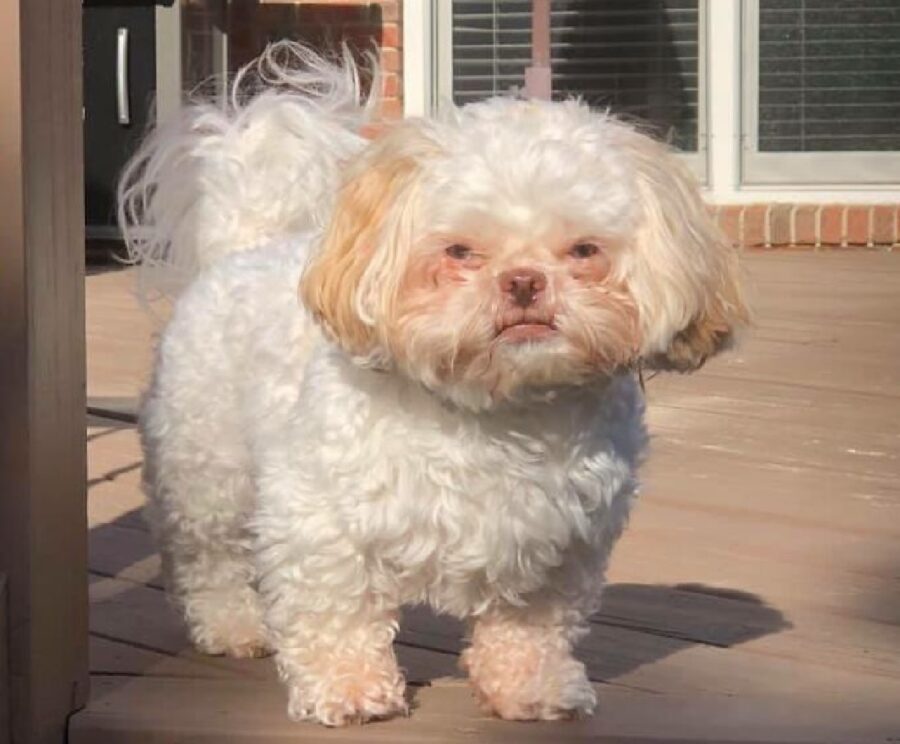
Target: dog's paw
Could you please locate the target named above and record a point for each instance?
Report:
(251, 649)
(530, 687)
(238, 633)
(576, 699)
(356, 695)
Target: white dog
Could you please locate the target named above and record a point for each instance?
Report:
(448, 414)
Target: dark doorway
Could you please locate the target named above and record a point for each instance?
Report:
(119, 87)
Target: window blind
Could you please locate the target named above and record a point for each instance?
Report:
(637, 57)
(829, 75)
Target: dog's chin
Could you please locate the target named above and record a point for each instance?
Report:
(520, 364)
(496, 364)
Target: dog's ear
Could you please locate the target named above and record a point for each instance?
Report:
(681, 271)
(712, 329)
(340, 286)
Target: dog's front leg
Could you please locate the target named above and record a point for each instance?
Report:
(331, 629)
(521, 666)
(338, 664)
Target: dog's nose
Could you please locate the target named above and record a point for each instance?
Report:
(523, 285)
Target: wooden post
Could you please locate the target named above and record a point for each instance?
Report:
(538, 77)
(4, 666)
(43, 525)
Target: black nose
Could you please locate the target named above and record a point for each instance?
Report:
(524, 285)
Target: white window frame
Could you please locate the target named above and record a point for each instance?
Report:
(798, 168)
(168, 61)
(419, 35)
(428, 62)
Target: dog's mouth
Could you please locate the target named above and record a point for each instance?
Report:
(526, 330)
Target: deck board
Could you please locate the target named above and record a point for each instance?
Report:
(755, 596)
(114, 657)
(150, 710)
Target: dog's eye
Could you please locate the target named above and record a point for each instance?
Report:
(584, 250)
(458, 251)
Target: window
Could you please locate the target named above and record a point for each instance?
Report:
(640, 58)
(822, 91)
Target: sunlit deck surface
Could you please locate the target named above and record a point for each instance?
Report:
(755, 597)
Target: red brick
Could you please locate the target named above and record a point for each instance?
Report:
(730, 222)
(805, 218)
(884, 224)
(390, 85)
(780, 224)
(390, 10)
(858, 226)
(754, 232)
(392, 108)
(390, 60)
(832, 225)
(390, 35)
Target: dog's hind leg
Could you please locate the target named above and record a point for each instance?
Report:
(198, 507)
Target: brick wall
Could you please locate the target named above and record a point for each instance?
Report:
(811, 226)
(391, 59)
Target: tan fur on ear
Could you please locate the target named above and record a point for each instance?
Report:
(710, 332)
(330, 285)
(682, 273)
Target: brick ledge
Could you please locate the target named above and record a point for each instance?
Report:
(810, 225)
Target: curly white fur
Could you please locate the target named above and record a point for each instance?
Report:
(466, 431)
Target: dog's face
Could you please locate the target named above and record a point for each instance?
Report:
(522, 245)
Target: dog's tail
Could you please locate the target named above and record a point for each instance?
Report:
(228, 175)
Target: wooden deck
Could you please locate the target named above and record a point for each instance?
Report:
(755, 597)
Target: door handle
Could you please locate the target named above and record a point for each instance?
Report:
(122, 107)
